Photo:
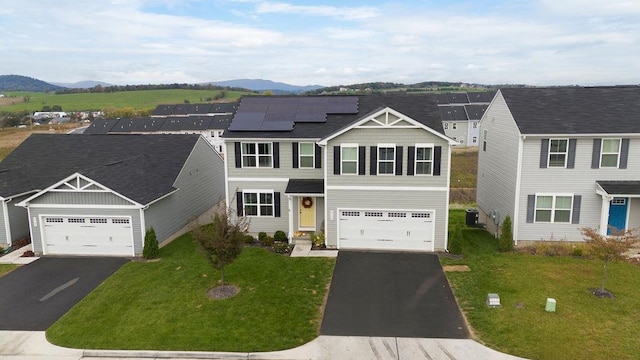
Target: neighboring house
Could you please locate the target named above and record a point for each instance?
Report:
(558, 159)
(371, 172)
(461, 114)
(98, 194)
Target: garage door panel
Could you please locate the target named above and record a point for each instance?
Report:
(386, 229)
(88, 236)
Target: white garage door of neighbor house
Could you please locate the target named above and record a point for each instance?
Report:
(386, 229)
(91, 235)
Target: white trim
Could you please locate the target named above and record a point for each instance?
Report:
(432, 161)
(83, 206)
(284, 139)
(446, 208)
(259, 204)
(257, 154)
(350, 146)
(327, 226)
(290, 213)
(565, 153)
(306, 194)
(378, 161)
(313, 155)
(143, 230)
(387, 188)
(7, 226)
(250, 179)
(553, 208)
(386, 110)
(225, 163)
(516, 208)
(588, 135)
(618, 153)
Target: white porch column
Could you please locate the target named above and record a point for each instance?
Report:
(604, 214)
(290, 205)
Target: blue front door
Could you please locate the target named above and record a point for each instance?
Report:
(618, 214)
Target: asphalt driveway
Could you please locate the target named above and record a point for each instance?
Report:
(34, 296)
(391, 295)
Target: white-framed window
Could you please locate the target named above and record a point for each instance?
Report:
(386, 159)
(475, 124)
(257, 203)
(306, 155)
(454, 126)
(446, 125)
(349, 159)
(610, 153)
(257, 155)
(484, 140)
(553, 208)
(475, 139)
(424, 159)
(558, 152)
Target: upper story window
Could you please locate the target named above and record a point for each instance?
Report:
(475, 124)
(475, 139)
(306, 155)
(258, 203)
(386, 159)
(257, 155)
(610, 153)
(424, 160)
(349, 159)
(446, 125)
(553, 208)
(484, 140)
(558, 151)
(454, 126)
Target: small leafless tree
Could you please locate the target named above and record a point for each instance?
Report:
(609, 247)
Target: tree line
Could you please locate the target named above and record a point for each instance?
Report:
(115, 88)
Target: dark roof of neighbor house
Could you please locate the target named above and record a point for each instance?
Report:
(475, 112)
(128, 125)
(422, 108)
(620, 187)
(453, 113)
(139, 167)
(194, 109)
(154, 124)
(100, 126)
(452, 98)
(575, 110)
(481, 96)
(305, 186)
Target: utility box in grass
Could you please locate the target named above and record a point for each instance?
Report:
(551, 305)
(493, 300)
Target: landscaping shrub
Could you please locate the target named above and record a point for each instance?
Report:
(281, 247)
(248, 239)
(506, 236)
(455, 240)
(317, 240)
(261, 236)
(267, 240)
(280, 236)
(150, 250)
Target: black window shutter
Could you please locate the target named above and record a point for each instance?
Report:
(575, 216)
(240, 205)
(595, 155)
(336, 160)
(238, 154)
(624, 153)
(362, 157)
(294, 150)
(318, 157)
(411, 159)
(544, 153)
(276, 155)
(373, 163)
(571, 161)
(531, 208)
(437, 155)
(276, 204)
(398, 160)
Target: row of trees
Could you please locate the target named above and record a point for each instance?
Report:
(116, 88)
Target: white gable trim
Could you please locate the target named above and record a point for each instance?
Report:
(73, 184)
(360, 124)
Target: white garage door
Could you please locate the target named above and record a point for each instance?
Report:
(87, 235)
(386, 229)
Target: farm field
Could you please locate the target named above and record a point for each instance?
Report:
(141, 99)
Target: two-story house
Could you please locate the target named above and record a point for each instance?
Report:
(558, 159)
(371, 172)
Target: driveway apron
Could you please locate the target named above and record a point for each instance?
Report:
(36, 295)
(391, 295)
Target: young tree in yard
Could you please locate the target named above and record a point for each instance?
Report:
(609, 247)
(150, 249)
(505, 243)
(222, 240)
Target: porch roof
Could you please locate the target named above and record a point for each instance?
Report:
(305, 186)
(620, 187)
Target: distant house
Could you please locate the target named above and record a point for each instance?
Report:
(99, 194)
(1, 95)
(461, 114)
(558, 159)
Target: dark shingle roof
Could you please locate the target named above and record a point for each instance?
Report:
(475, 112)
(154, 124)
(100, 126)
(453, 113)
(620, 187)
(575, 110)
(305, 186)
(163, 110)
(140, 167)
(194, 109)
(452, 98)
(127, 125)
(481, 96)
(422, 108)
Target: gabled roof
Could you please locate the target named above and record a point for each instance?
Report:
(155, 124)
(484, 97)
(194, 109)
(475, 112)
(453, 113)
(575, 110)
(452, 98)
(421, 108)
(141, 168)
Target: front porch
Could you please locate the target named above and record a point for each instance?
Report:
(306, 205)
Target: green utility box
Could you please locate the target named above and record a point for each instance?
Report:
(551, 305)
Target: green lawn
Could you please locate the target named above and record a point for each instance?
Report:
(583, 327)
(163, 305)
(6, 268)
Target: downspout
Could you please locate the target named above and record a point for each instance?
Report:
(516, 202)
(290, 205)
(7, 226)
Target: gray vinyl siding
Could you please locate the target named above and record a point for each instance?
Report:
(18, 219)
(497, 166)
(268, 224)
(36, 229)
(399, 137)
(581, 180)
(634, 213)
(460, 133)
(285, 170)
(80, 198)
(200, 186)
(388, 200)
(473, 132)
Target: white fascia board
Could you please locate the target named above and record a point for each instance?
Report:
(305, 194)
(26, 202)
(388, 188)
(252, 179)
(273, 139)
(80, 206)
(585, 135)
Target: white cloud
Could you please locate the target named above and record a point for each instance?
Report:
(345, 13)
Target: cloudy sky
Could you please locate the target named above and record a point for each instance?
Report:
(537, 42)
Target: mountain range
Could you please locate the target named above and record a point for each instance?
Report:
(266, 85)
(24, 83)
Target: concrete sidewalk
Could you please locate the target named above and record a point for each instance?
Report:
(15, 258)
(19, 345)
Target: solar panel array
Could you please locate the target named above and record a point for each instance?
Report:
(194, 109)
(281, 113)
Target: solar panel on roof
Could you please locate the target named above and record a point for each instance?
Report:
(279, 117)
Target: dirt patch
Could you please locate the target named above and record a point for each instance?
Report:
(602, 293)
(8, 101)
(456, 268)
(223, 292)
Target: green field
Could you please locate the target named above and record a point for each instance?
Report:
(141, 99)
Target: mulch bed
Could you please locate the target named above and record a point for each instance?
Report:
(602, 293)
(223, 292)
